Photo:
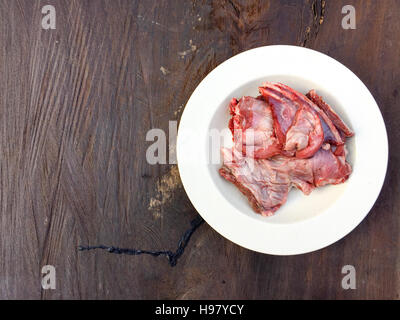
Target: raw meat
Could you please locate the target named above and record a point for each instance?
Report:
(337, 121)
(252, 128)
(305, 135)
(265, 188)
(283, 139)
(266, 183)
(284, 102)
(283, 110)
(329, 169)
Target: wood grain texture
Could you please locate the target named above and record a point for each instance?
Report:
(76, 104)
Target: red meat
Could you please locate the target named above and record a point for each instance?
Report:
(266, 183)
(283, 139)
(252, 128)
(333, 116)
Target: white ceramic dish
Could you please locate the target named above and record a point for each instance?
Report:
(304, 223)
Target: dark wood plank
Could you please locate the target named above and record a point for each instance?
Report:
(76, 104)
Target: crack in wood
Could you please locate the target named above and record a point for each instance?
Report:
(318, 8)
(172, 256)
(235, 8)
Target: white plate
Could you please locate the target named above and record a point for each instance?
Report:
(304, 223)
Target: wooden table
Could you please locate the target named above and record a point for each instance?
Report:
(76, 104)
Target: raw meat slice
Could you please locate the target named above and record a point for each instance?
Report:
(252, 128)
(331, 134)
(265, 188)
(283, 110)
(305, 136)
(297, 124)
(333, 116)
(266, 183)
(282, 97)
(329, 169)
